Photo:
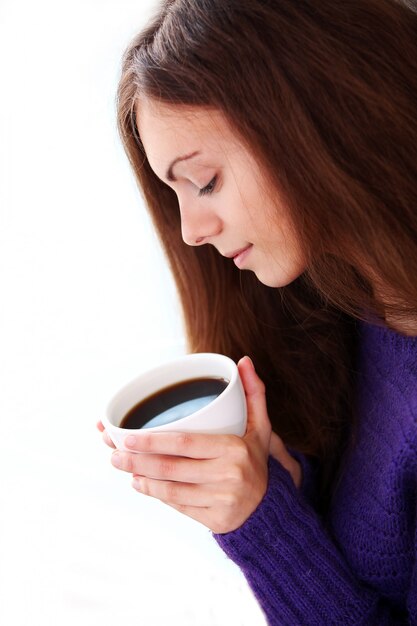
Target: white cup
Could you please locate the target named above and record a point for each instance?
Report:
(226, 414)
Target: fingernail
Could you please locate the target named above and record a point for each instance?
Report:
(250, 360)
(116, 460)
(130, 441)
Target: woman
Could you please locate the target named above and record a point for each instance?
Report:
(280, 138)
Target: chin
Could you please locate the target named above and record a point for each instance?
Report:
(278, 279)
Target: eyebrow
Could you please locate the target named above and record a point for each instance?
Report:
(170, 175)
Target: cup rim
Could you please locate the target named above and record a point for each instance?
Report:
(171, 364)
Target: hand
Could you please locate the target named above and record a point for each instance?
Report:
(218, 480)
(278, 450)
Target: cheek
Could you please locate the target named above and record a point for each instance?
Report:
(280, 232)
(281, 259)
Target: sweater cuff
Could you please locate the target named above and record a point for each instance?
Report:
(289, 560)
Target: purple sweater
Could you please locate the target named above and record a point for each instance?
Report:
(357, 566)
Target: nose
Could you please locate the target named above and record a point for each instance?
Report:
(199, 225)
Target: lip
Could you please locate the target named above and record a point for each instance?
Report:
(240, 255)
(231, 255)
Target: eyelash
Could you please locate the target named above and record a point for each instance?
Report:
(209, 188)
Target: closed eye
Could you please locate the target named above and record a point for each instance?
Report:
(209, 188)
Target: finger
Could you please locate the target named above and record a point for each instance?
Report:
(199, 514)
(173, 493)
(163, 467)
(190, 445)
(203, 515)
(100, 426)
(278, 450)
(258, 419)
(276, 447)
(107, 440)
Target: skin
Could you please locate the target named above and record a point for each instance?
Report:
(240, 210)
(218, 480)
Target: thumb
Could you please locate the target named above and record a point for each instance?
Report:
(254, 388)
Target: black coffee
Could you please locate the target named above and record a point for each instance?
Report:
(174, 402)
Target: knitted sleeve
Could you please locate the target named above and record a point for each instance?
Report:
(296, 570)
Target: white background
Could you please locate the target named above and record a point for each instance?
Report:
(87, 303)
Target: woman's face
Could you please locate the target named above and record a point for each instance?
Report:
(222, 196)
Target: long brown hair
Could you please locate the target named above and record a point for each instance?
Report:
(324, 94)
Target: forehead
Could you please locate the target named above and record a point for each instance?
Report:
(171, 131)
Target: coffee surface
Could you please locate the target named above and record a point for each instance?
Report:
(174, 402)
